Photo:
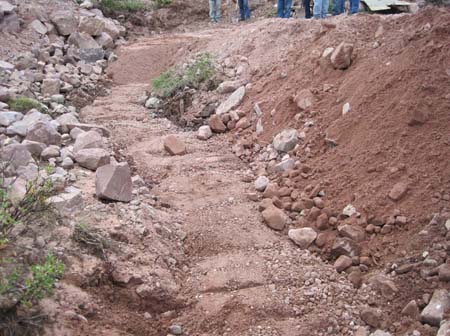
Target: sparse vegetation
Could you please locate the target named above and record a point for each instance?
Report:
(196, 73)
(121, 5)
(91, 239)
(163, 3)
(24, 104)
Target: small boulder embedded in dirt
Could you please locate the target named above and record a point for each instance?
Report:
(341, 58)
(444, 330)
(398, 191)
(216, 124)
(204, 132)
(411, 310)
(261, 183)
(303, 237)
(305, 99)
(87, 140)
(275, 218)
(174, 146)
(371, 316)
(286, 140)
(342, 263)
(434, 312)
(113, 182)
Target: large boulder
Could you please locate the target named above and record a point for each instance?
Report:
(50, 87)
(91, 139)
(89, 50)
(92, 158)
(286, 140)
(6, 7)
(232, 101)
(91, 25)
(45, 133)
(216, 124)
(9, 117)
(21, 127)
(113, 182)
(104, 40)
(65, 120)
(65, 22)
(15, 156)
(275, 218)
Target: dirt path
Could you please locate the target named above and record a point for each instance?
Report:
(240, 277)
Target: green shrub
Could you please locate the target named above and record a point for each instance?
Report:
(199, 71)
(122, 5)
(163, 3)
(167, 83)
(24, 104)
(43, 279)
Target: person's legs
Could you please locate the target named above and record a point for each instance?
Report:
(218, 16)
(280, 8)
(338, 7)
(354, 6)
(317, 9)
(287, 8)
(307, 6)
(212, 9)
(247, 10)
(325, 4)
(241, 9)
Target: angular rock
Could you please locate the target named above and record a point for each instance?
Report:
(6, 7)
(444, 330)
(384, 285)
(35, 148)
(65, 22)
(15, 156)
(232, 102)
(216, 124)
(261, 183)
(87, 140)
(91, 25)
(303, 237)
(69, 201)
(286, 140)
(284, 166)
(204, 132)
(349, 210)
(434, 312)
(50, 87)
(9, 117)
(92, 55)
(345, 246)
(353, 232)
(398, 191)
(6, 66)
(229, 86)
(17, 191)
(50, 152)
(275, 218)
(104, 40)
(90, 127)
(174, 146)
(65, 120)
(371, 317)
(444, 272)
(113, 182)
(342, 263)
(45, 133)
(152, 103)
(92, 158)
(341, 58)
(39, 27)
(380, 333)
(411, 310)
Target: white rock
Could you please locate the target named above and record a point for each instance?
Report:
(345, 108)
(349, 210)
(303, 237)
(204, 133)
(232, 101)
(261, 183)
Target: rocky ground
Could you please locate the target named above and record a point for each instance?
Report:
(300, 190)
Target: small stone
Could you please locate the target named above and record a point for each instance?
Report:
(92, 158)
(303, 237)
(216, 124)
(411, 310)
(174, 146)
(342, 263)
(444, 272)
(398, 191)
(175, 330)
(371, 317)
(261, 183)
(349, 210)
(204, 133)
(341, 58)
(39, 27)
(50, 152)
(113, 182)
(275, 218)
(305, 99)
(345, 108)
(286, 140)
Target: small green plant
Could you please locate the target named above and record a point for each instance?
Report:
(167, 83)
(91, 239)
(42, 281)
(122, 5)
(163, 3)
(199, 71)
(24, 104)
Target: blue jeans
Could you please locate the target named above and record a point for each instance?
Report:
(320, 9)
(284, 8)
(243, 9)
(214, 10)
(338, 7)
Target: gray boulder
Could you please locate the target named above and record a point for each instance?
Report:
(92, 158)
(113, 182)
(15, 156)
(303, 237)
(91, 25)
(434, 312)
(286, 140)
(50, 87)
(44, 132)
(65, 22)
(232, 101)
(87, 140)
(34, 147)
(9, 117)
(65, 120)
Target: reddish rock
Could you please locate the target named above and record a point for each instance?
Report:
(355, 277)
(318, 202)
(371, 317)
(174, 146)
(313, 214)
(398, 191)
(417, 117)
(113, 182)
(353, 232)
(271, 190)
(342, 263)
(275, 218)
(341, 58)
(325, 238)
(216, 124)
(322, 222)
(411, 310)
